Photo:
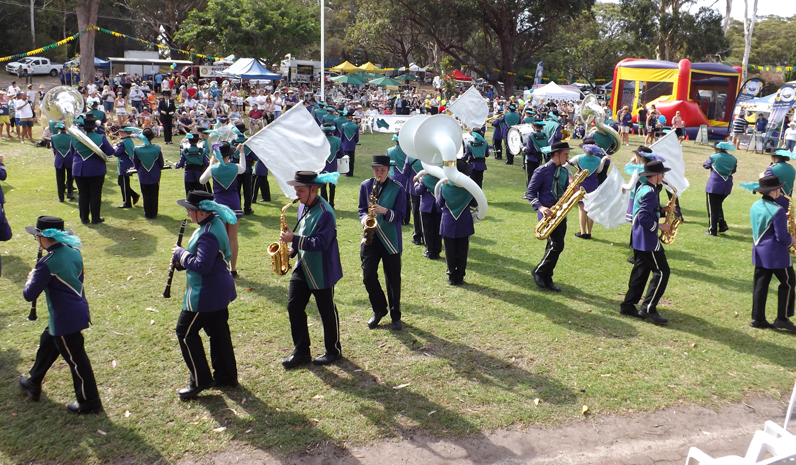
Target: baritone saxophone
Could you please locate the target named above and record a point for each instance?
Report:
(571, 197)
(280, 255)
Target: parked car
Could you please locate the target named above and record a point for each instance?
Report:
(40, 66)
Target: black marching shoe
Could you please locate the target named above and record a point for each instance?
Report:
(784, 324)
(98, 220)
(191, 392)
(294, 360)
(654, 317)
(31, 390)
(550, 285)
(136, 197)
(711, 233)
(248, 212)
(374, 320)
(124, 206)
(724, 228)
(538, 280)
(231, 383)
(416, 242)
(629, 311)
(327, 359)
(760, 324)
(89, 406)
(397, 325)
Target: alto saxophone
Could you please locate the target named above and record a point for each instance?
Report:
(280, 256)
(791, 223)
(673, 221)
(369, 228)
(571, 197)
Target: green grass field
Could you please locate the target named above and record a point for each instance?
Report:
(470, 358)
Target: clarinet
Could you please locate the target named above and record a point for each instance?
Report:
(32, 315)
(167, 291)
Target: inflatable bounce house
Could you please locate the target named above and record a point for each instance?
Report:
(703, 93)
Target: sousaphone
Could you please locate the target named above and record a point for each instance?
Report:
(64, 104)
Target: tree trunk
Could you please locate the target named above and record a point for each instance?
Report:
(726, 24)
(32, 25)
(87, 11)
(748, 31)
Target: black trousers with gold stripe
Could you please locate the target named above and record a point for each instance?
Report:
(71, 348)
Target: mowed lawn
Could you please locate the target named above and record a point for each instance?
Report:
(469, 359)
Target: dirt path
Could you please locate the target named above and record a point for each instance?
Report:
(657, 438)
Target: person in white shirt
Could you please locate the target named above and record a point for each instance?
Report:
(91, 88)
(25, 116)
(261, 101)
(13, 89)
(136, 96)
(790, 137)
(31, 96)
(190, 102)
(278, 102)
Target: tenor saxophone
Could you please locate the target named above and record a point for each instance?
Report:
(571, 197)
(791, 223)
(673, 221)
(369, 228)
(280, 255)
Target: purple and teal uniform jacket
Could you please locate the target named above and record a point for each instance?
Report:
(328, 118)
(475, 152)
(99, 116)
(60, 275)
(3, 176)
(318, 115)
(537, 140)
(411, 168)
(209, 285)
(315, 244)
(457, 219)
(62, 143)
(247, 152)
(339, 121)
(391, 196)
(547, 185)
(425, 189)
(87, 163)
(194, 159)
(5, 228)
(148, 162)
(398, 158)
(225, 186)
(500, 128)
(646, 213)
(349, 135)
(785, 173)
(125, 154)
(587, 162)
(335, 152)
(721, 165)
(509, 119)
(770, 234)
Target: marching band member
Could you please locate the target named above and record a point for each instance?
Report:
(410, 170)
(316, 270)
(475, 154)
(193, 159)
(319, 112)
(208, 292)
(456, 227)
(335, 152)
(398, 159)
(786, 173)
(5, 228)
(590, 160)
(125, 155)
(62, 143)
(770, 255)
(148, 163)
(386, 245)
(88, 170)
(430, 215)
(529, 116)
(245, 178)
(225, 191)
(721, 165)
(510, 118)
(498, 136)
(648, 252)
(166, 109)
(349, 135)
(59, 274)
(260, 182)
(537, 140)
(547, 185)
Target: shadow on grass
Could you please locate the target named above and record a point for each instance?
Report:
(275, 294)
(130, 243)
(30, 433)
(16, 269)
(712, 278)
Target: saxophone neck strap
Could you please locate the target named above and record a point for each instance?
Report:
(306, 212)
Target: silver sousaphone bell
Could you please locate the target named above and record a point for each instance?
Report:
(64, 104)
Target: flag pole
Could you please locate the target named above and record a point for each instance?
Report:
(323, 61)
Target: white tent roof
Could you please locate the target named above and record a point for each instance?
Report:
(412, 68)
(554, 91)
(763, 104)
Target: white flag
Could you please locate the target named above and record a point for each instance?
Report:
(293, 142)
(471, 108)
(607, 205)
(668, 148)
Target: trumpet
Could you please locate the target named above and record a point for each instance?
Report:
(571, 197)
(280, 256)
(493, 118)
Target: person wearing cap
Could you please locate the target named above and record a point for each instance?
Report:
(166, 108)
(529, 119)
(316, 270)
(589, 160)
(625, 118)
(194, 159)
(88, 171)
(136, 97)
(335, 152)
(124, 153)
(497, 136)
(410, 169)
(784, 171)
(536, 141)
(771, 256)
(319, 113)
(59, 274)
(547, 185)
(209, 290)
(349, 135)
(329, 116)
(456, 226)
(386, 246)
(789, 136)
(225, 190)
(510, 119)
(291, 100)
(475, 153)
(99, 115)
(339, 121)
(5, 115)
(398, 159)
(62, 145)
(148, 161)
(722, 165)
(649, 256)
(244, 179)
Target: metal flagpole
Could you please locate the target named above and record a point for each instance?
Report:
(323, 61)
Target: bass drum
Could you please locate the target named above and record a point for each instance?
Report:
(516, 138)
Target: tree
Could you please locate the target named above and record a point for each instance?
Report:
(748, 29)
(702, 35)
(384, 29)
(162, 17)
(266, 29)
(791, 75)
(87, 11)
(494, 37)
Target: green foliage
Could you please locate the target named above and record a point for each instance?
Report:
(703, 36)
(791, 75)
(771, 44)
(383, 33)
(265, 29)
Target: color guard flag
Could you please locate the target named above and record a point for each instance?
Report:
(471, 108)
(537, 79)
